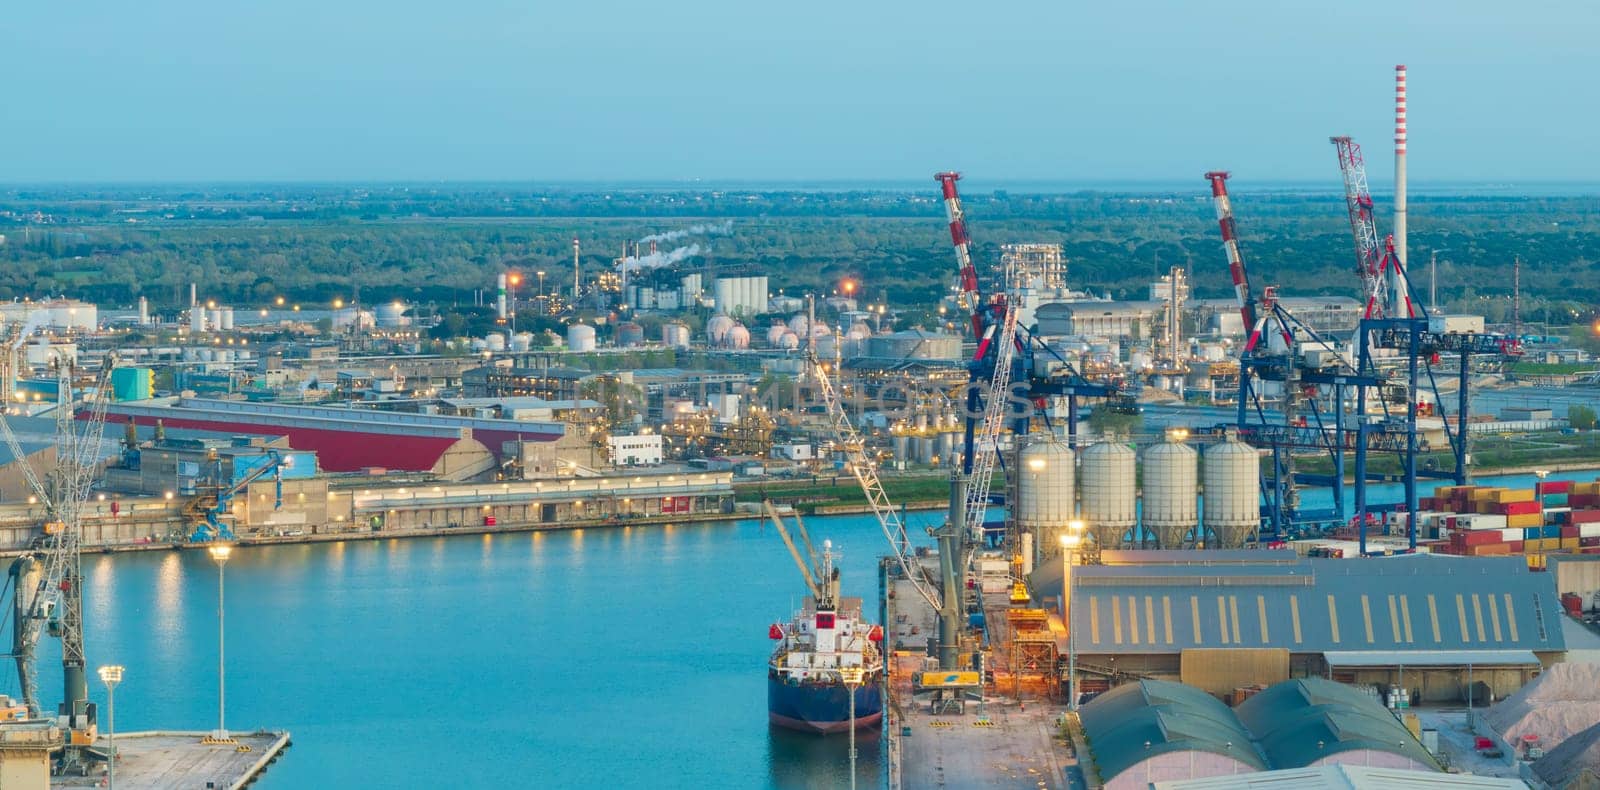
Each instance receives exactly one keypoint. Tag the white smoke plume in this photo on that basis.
(695, 230)
(657, 260)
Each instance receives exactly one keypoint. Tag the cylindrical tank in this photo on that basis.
(775, 334)
(391, 315)
(1232, 492)
(227, 319)
(675, 335)
(1108, 496)
(496, 341)
(1171, 509)
(902, 448)
(197, 320)
(522, 341)
(1044, 492)
(630, 334)
(1140, 360)
(738, 337)
(924, 449)
(580, 337)
(947, 448)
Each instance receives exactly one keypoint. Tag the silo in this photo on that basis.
(580, 337)
(496, 341)
(722, 291)
(902, 448)
(1108, 492)
(227, 319)
(1171, 509)
(197, 320)
(522, 341)
(924, 449)
(947, 448)
(1044, 492)
(630, 334)
(1232, 492)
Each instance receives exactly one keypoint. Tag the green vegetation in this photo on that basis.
(1489, 453)
(249, 245)
(1550, 369)
(1581, 417)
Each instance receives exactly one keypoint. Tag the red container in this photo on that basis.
(1479, 537)
(1585, 517)
(1573, 603)
(1556, 487)
(1516, 546)
(1569, 532)
(488, 521)
(1519, 508)
(1583, 500)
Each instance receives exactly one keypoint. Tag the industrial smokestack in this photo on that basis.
(500, 298)
(1400, 187)
(577, 272)
(193, 299)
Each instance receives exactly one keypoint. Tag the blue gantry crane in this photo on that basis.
(212, 527)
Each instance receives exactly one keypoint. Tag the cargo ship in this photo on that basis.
(825, 655)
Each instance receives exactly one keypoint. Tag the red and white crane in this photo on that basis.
(1382, 280)
(1230, 244)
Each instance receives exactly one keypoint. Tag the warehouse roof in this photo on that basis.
(1432, 658)
(1345, 777)
(1137, 721)
(1400, 604)
(1300, 722)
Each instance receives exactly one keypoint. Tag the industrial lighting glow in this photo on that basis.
(1070, 541)
(1036, 464)
(220, 551)
(1075, 527)
(111, 673)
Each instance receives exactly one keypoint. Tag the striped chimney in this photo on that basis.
(1400, 295)
(1230, 244)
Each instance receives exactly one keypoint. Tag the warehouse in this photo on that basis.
(1152, 731)
(1226, 619)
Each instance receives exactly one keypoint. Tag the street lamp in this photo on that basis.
(852, 681)
(513, 281)
(111, 675)
(541, 288)
(1070, 540)
(220, 552)
(1538, 487)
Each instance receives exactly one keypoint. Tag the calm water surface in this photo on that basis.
(593, 658)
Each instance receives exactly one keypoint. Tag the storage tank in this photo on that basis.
(675, 335)
(947, 448)
(788, 341)
(580, 337)
(902, 447)
(630, 334)
(924, 449)
(1108, 498)
(1232, 492)
(227, 319)
(775, 334)
(391, 315)
(717, 329)
(1044, 492)
(738, 337)
(197, 320)
(522, 341)
(1171, 509)
(495, 341)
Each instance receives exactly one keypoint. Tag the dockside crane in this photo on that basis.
(47, 589)
(212, 527)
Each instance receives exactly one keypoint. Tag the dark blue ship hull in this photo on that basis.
(822, 707)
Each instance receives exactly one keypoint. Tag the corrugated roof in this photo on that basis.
(1432, 658)
(1137, 721)
(1345, 777)
(1299, 722)
(1416, 603)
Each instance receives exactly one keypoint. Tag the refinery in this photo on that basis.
(1171, 542)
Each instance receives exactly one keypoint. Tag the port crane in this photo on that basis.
(212, 527)
(47, 585)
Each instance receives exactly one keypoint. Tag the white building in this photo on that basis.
(634, 450)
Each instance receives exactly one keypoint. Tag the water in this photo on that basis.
(629, 657)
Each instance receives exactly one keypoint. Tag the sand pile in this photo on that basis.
(1560, 703)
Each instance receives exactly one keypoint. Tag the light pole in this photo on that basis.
(542, 308)
(1069, 550)
(111, 675)
(852, 681)
(220, 553)
(1538, 487)
(515, 280)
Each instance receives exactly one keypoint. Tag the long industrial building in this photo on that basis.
(1221, 620)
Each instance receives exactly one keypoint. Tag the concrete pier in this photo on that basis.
(164, 758)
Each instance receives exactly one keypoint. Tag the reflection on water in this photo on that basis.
(801, 761)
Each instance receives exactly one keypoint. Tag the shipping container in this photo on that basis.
(1519, 508)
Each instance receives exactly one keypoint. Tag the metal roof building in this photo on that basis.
(1154, 730)
(1346, 777)
(1312, 722)
(1222, 619)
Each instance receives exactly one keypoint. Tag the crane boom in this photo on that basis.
(865, 471)
(1363, 227)
(1230, 244)
(967, 274)
(985, 445)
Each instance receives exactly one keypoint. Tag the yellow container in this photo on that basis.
(1514, 495)
(1414, 724)
(1569, 543)
(1535, 561)
(1525, 520)
(1485, 494)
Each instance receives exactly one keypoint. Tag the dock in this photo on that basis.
(165, 758)
(1013, 733)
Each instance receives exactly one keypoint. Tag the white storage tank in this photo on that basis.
(675, 335)
(1045, 492)
(1108, 498)
(197, 320)
(1232, 492)
(902, 448)
(717, 329)
(580, 337)
(775, 334)
(1171, 507)
(495, 341)
(522, 341)
(738, 337)
(391, 315)
(788, 341)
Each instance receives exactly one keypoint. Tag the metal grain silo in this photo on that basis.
(1108, 497)
(1232, 492)
(1045, 492)
(1171, 509)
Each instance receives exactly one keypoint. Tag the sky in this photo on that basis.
(601, 90)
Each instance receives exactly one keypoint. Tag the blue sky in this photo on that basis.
(185, 90)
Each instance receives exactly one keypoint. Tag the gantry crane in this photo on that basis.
(47, 589)
(212, 527)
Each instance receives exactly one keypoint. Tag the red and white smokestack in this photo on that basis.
(1230, 244)
(958, 237)
(1400, 295)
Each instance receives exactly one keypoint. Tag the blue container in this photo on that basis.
(1551, 531)
(1530, 533)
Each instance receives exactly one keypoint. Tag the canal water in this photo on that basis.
(628, 657)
